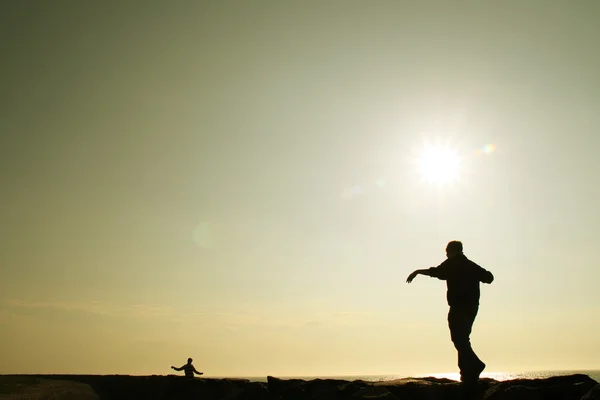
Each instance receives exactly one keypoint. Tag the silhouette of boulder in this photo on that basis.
(433, 388)
(593, 394)
(316, 389)
(557, 387)
(374, 392)
(123, 387)
(27, 387)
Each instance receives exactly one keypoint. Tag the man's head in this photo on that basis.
(190, 360)
(454, 248)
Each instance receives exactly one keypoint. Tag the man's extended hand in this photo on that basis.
(412, 276)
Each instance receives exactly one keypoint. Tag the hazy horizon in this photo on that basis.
(242, 183)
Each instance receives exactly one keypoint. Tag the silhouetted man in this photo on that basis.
(462, 277)
(188, 368)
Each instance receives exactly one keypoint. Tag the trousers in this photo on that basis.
(460, 322)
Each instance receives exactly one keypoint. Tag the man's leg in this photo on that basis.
(460, 322)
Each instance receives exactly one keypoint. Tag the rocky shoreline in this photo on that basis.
(117, 387)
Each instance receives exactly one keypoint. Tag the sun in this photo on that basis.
(439, 164)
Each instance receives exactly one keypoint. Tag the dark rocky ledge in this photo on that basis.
(124, 387)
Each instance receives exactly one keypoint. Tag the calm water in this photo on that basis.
(499, 376)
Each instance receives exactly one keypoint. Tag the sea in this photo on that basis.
(499, 376)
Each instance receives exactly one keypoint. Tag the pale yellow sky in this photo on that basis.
(236, 182)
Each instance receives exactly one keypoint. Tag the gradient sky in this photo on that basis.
(236, 182)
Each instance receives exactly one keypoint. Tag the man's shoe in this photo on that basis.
(479, 370)
(472, 376)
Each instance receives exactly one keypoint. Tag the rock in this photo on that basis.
(593, 394)
(374, 392)
(286, 389)
(518, 392)
(46, 389)
(435, 388)
(570, 387)
(316, 389)
(122, 387)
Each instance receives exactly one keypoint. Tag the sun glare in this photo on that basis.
(439, 164)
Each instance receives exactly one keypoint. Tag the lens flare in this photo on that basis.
(203, 236)
(351, 192)
(487, 149)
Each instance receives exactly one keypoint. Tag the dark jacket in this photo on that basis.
(462, 277)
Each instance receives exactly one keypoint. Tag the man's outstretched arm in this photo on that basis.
(196, 371)
(441, 272)
(485, 276)
(177, 369)
(417, 272)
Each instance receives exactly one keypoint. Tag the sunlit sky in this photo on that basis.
(241, 183)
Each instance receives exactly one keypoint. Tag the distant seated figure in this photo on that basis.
(188, 368)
